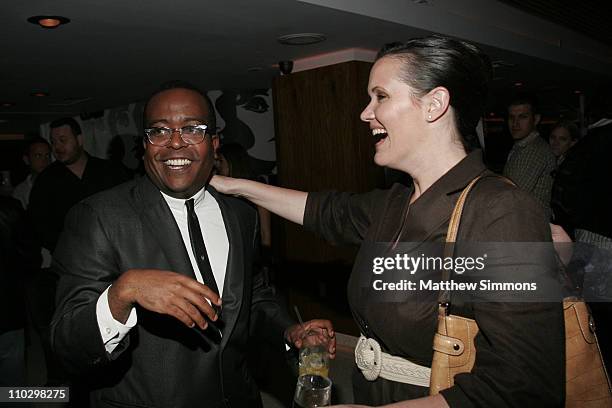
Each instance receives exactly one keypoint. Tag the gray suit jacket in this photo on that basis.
(160, 363)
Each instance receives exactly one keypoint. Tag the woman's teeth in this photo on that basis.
(379, 134)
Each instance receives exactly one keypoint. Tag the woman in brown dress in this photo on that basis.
(426, 97)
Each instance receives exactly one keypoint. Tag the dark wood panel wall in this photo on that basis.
(321, 144)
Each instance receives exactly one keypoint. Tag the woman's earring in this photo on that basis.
(429, 117)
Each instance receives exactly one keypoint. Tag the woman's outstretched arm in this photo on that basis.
(284, 202)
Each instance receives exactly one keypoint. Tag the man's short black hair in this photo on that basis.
(525, 98)
(178, 84)
(74, 125)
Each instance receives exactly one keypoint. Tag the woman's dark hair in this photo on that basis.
(238, 160)
(570, 126)
(456, 65)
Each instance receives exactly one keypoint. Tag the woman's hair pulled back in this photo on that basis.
(456, 65)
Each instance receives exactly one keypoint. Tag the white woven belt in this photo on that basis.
(374, 363)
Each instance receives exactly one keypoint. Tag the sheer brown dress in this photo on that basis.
(520, 346)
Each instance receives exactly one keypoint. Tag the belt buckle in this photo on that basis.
(368, 357)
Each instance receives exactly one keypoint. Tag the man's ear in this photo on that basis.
(215, 143)
(79, 139)
(436, 104)
(537, 118)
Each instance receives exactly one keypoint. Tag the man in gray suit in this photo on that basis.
(138, 313)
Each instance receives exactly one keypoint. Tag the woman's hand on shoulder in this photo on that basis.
(222, 184)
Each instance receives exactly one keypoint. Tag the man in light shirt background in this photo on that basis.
(37, 157)
(531, 162)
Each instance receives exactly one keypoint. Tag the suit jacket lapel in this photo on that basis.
(157, 218)
(233, 288)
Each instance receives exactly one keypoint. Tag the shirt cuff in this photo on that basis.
(111, 330)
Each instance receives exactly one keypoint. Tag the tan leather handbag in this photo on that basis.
(587, 382)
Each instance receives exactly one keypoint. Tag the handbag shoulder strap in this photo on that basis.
(453, 229)
(453, 225)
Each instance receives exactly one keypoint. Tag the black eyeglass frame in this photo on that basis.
(203, 128)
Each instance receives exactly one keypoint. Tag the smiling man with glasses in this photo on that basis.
(140, 313)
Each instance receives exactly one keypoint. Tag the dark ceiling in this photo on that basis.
(586, 17)
(115, 52)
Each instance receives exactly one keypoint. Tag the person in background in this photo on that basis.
(581, 203)
(73, 176)
(116, 153)
(38, 290)
(563, 135)
(582, 192)
(37, 156)
(426, 97)
(19, 258)
(530, 162)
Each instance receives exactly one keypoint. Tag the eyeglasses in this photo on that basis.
(162, 136)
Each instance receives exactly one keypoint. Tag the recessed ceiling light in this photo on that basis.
(40, 94)
(518, 83)
(301, 38)
(7, 104)
(254, 69)
(577, 92)
(48, 21)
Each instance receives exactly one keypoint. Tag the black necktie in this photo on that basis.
(198, 247)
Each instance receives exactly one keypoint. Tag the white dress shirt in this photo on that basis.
(23, 189)
(217, 246)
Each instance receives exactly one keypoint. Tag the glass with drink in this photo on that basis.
(314, 357)
(312, 391)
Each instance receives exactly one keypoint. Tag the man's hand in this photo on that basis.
(164, 292)
(435, 401)
(295, 333)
